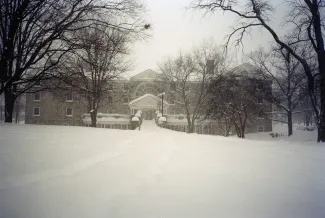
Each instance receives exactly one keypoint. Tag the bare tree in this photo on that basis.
(289, 83)
(33, 36)
(307, 20)
(218, 106)
(234, 101)
(97, 60)
(189, 75)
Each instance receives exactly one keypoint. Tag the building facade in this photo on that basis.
(125, 98)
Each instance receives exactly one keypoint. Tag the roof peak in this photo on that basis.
(147, 74)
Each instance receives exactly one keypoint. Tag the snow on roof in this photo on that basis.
(246, 69)
(117, 116)
(146, 96)
(147, 75)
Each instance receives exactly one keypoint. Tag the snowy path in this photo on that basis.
(154, 172)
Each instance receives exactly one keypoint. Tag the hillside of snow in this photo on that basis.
(67, 172)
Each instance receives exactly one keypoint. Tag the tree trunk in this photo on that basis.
(17, 110)
(9, 104)
(191, 128)
(315, 9)
(226, 132)
(289, 123)
(307, 118)
(242, 132)
(93, 116)
(321, 121)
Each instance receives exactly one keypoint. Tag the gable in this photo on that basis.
(146, 100)
(146, 75)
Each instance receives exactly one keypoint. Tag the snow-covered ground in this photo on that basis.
(282, 129)
(67, 172)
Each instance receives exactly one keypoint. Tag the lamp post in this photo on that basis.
(162, 103)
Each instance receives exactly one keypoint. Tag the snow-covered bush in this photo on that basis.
(306, 128)
(276, 135)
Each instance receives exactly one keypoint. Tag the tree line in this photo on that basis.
(304, 43)
(45, 39)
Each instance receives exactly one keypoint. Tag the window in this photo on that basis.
(147, 88)
(107, 126)
(260, 115)
(36, 111)
(132, 111)
(125, 100)
(260, 85)
(172, 99)
(69, 97)
(109, 110)
(69, 112)
(116, 126)
(37, 96)
(110, 99)
(260, 128)
(126, 86)
(37, 83)
(187, 88)
(260, 100)
(111, 87)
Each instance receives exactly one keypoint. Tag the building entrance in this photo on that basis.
(148, 114)
(148, 104)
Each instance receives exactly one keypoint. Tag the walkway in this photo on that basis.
(149, 125)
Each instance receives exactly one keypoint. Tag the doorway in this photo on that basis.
(148, 114)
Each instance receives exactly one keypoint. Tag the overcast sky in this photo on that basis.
(174, 29)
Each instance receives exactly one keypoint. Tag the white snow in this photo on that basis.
(55, 171)
(282, 128)
(162, 119)
(135, 118)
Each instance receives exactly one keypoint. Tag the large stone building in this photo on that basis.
(140, 92)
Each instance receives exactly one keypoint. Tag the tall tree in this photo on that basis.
(233, 100)
(97, 60)
(33, 36)
(307, 19)
(289, 83)
(189, 75)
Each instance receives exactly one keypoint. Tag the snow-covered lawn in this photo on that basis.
(67, 172)
(282, 128)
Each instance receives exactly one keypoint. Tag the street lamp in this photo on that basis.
(162, 103)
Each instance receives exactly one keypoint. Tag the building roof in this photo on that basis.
(146, 75)
(246, 69)
(147, 96)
